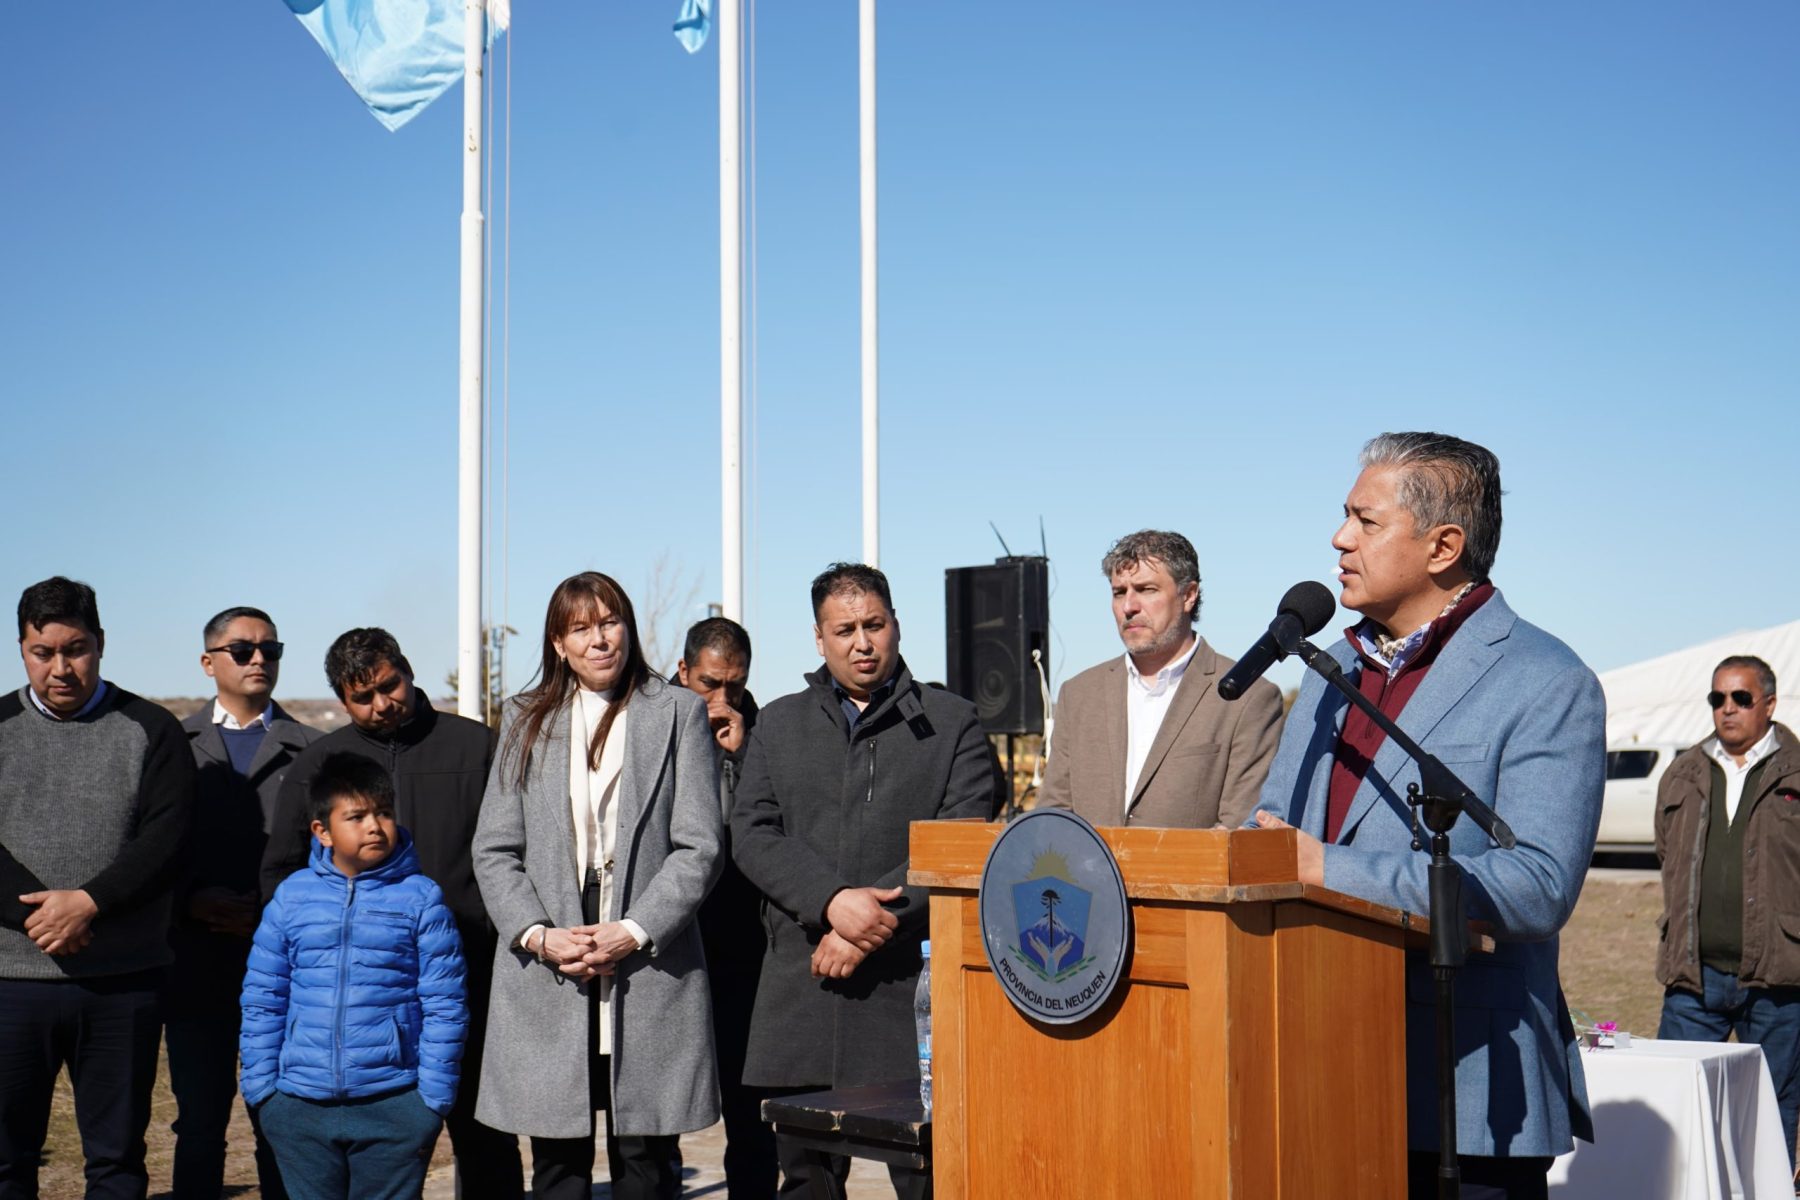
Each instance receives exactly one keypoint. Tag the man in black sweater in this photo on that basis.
(96, 787)
(439, 762)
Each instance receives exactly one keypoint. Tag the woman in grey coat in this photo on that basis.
(599, 837)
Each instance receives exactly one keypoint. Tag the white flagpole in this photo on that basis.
(731, 307)
(469, 700)
(871, 405)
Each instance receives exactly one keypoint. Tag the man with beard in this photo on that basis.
(835, 775)
(439, 763)
(1145, 739)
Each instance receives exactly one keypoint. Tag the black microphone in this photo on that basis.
(1301, 613)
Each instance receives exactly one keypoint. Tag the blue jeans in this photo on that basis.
(374, 1149)
(1768, 1017)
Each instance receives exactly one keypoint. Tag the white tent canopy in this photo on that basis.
(1664, 699)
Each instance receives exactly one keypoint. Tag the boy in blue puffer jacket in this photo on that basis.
(354, 1017)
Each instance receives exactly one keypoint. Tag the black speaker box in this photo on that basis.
(994, 617)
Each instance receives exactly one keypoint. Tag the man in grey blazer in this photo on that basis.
(243, 744)
(1521, 720)
(1144, 739)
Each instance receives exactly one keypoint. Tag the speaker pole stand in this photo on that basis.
(1012, 795)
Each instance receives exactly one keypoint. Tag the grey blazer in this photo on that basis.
(534, 1072)
(281, 746)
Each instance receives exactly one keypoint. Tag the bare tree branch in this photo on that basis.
(662, 606)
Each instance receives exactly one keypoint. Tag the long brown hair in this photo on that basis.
(576, 597)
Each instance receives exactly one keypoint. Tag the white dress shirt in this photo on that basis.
(1146, 703)
(1734, 774)
(266, 718)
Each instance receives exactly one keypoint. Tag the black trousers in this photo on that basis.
(751, 1163)
(203, 1074)
(819, 1176)
(641, 1168)
(106, 1032)
(488, 1166)
(1482, 1178)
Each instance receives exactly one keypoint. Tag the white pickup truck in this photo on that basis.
(1628, 809)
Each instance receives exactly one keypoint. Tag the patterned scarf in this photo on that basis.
(1394, 651)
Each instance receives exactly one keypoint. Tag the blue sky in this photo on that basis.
(1162, 266)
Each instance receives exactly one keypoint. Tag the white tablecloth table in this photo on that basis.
(1681, 1121)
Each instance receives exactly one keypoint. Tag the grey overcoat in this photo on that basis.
(534, 1075)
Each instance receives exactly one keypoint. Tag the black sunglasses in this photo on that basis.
(242, 652)
(1741, 698)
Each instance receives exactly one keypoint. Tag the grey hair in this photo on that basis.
(1444, 480)
(1765, 674)
(1170, 549)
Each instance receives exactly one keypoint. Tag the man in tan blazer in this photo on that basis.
(1144, 739)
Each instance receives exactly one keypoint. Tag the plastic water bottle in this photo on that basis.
(922, 1018)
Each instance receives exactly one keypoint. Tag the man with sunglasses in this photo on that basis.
(1728, 836)
(243, 744)
(439, 762)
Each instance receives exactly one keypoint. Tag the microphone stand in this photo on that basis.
(1443, 798)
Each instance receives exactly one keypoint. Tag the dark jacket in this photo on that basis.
(1771, 868)
(439, 762)
(731, 925)
(355, 987)
(818, 811)
(232, 817)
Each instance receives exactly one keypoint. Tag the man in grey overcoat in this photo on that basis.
(835, 775)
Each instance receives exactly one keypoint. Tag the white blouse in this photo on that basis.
(593, 792)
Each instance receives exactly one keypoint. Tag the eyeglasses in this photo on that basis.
(1741, 698)
(242, 652)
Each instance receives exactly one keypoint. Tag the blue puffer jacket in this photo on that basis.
(355, 986)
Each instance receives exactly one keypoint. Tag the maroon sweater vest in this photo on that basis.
(1362, 738)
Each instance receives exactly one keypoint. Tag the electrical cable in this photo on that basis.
(1037, 770)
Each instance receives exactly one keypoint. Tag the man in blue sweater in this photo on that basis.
(243, 744)
(354, 1014)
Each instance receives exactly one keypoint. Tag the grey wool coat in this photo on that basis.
(534, 1074)
(818, 810)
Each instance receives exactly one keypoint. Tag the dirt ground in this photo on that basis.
(1608, 956)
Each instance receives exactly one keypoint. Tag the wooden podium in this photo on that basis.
(1254, 1050)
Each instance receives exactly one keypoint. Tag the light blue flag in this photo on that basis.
(694, 24)
(399, 55)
